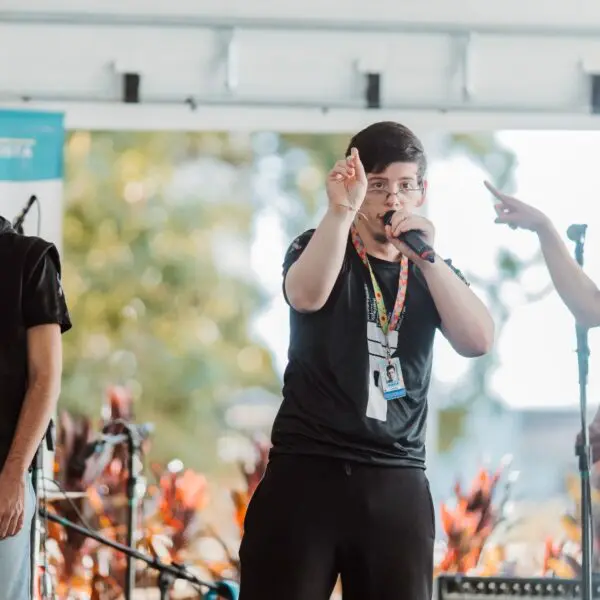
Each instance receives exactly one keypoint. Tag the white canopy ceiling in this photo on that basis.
(303, 66)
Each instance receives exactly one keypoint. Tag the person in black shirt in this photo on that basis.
(33, 313)
(345, 491)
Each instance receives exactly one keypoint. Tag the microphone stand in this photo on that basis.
(168, 573)
(133, 446)
(133, 441)
(133, 436)
(37, 472)
(583, 450)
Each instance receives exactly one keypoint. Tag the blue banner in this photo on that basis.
(31, 145)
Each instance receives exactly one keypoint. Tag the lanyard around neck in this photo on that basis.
(387, 324)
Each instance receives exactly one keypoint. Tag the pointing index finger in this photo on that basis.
(499, 195)
(492, 189)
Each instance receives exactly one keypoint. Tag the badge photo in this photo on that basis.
(392, 382)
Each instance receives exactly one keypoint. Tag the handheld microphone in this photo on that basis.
(413, 240)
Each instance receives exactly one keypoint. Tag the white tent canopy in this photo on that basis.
(303, 66)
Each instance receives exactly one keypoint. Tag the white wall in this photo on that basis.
(523, 68)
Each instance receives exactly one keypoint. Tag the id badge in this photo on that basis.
(392, 382)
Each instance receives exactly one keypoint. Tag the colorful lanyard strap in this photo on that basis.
(387, 324)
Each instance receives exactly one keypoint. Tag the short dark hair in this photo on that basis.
(390, 368)
(387, 142)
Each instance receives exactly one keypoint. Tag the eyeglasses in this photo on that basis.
(407, 190)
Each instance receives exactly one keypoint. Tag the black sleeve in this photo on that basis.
(295, 249)
(293, 253)
(43, 296)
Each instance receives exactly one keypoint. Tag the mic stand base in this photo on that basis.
(584, 454)
(133, 445)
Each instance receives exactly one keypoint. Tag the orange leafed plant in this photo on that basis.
(171, 520)
(181, 496)
(470, 524)
(563, 558)
(253, 475)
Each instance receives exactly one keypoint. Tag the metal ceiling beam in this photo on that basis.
(252, 74)
(196, 103)
(178, 117)
(290, 24)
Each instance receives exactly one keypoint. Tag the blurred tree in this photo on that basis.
(306, 160)
(157, 234)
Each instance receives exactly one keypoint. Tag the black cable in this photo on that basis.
(39, 212)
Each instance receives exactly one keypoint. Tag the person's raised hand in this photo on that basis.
(515, 213)
(347, 183)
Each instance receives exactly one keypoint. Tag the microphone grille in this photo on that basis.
(387, 218)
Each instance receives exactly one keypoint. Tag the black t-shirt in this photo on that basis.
(44, 299)
(31, 295)
(332, 401)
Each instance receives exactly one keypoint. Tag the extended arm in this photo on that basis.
(577, 290)
(310, 280)
(43, 389)
(44, 363)
(466, 322)
(45, 317)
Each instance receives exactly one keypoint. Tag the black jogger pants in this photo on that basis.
(312, 519)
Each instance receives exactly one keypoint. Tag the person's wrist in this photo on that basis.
(11, 473)
(342, 211)
(426, 267)
(545, 228)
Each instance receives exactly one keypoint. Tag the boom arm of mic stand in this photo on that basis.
(172, 570)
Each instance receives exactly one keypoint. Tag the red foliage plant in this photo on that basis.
(171, 512)
(470, 524)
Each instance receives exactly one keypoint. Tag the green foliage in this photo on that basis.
(451, 425)
(485, 150)
(153, 307)
(307, 159)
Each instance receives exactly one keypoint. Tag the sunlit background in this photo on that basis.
(173, 249)
(178, 281)
(539, 338)
(175, 209)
